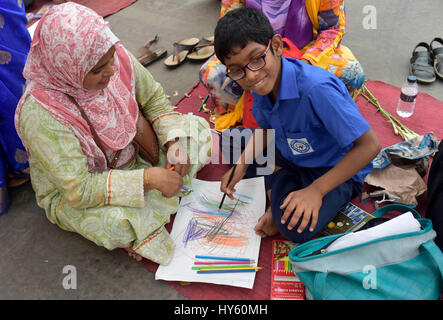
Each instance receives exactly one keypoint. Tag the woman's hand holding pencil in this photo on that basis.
(177, 157)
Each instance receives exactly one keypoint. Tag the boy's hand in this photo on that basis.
(239, 173)
(302, 204)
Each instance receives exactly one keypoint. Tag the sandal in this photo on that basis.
(422, 64)
(147, 55)
(203, 50)
(438, 57)
(181, 51)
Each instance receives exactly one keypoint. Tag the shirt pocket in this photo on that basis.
(300, 144)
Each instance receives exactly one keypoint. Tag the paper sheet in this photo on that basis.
(403, 223)
(200, 229)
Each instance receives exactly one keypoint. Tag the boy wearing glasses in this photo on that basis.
(324, 147)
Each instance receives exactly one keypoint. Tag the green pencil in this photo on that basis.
(204, 101)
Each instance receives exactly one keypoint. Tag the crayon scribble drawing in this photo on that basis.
(200, 228)
(218, 229)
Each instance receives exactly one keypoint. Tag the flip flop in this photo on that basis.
(438, 57)
(181, 51)
(147, 55)
(203, 50)
(422, 64)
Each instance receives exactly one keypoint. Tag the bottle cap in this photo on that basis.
(412, 79)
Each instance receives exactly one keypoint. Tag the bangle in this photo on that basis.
(146, 178)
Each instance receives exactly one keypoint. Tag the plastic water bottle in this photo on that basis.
(408, 96)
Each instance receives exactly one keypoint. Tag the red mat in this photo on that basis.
(427, 117)
(102, 7)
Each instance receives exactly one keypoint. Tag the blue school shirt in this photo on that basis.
(314, 117)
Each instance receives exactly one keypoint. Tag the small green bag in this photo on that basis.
(407, 266)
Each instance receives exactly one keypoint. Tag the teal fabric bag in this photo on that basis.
(407, 266)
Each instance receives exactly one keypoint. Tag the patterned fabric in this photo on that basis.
(110, 208)
(62, 52)
(327, 20)
(227, 5)
(14, 46)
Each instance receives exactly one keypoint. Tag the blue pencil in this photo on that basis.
(226, 271)
(223, 258)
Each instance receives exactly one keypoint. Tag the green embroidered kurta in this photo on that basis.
(111, 208)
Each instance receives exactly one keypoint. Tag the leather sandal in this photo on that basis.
(181, 51)
(422, 64)
(438, 57)
(203, 50)
(147, 55)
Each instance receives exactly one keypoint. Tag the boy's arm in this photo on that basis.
(308, 201)
(247, 156)
(365, 149)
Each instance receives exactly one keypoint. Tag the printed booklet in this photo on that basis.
(285, 285)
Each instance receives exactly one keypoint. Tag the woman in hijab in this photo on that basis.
(80, 108)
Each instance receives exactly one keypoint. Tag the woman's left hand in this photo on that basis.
(178, 158)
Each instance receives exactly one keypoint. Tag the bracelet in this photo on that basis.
(146, 178)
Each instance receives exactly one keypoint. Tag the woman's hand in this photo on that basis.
(240, 171)
(178, 158)
(166, 181)
(302, 204)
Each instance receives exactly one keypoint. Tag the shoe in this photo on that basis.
(181, 51)
(422, 64)
(147, 55)
(203, 50)
(437, 54)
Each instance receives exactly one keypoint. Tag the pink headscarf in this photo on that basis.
(68, 42)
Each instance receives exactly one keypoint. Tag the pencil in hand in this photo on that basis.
(183, 187)
(229, 181)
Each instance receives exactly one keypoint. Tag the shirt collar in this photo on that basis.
(288, 81)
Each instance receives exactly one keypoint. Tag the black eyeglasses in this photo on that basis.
(254, 65)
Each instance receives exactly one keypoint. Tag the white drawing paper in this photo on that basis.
(201, 229)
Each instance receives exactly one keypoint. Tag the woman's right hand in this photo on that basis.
(239, 173)
(166, 181)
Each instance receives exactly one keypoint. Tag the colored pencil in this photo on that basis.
(245, 268)
(226, 271)
(235, 266)
(229, 181)
(203, 102)
(218, 262)
(183, 187)
(222, 258)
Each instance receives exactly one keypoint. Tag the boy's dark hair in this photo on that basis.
(239, 27)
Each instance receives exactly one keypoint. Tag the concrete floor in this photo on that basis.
(35, 252)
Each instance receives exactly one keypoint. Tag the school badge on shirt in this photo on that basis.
(299, 146)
